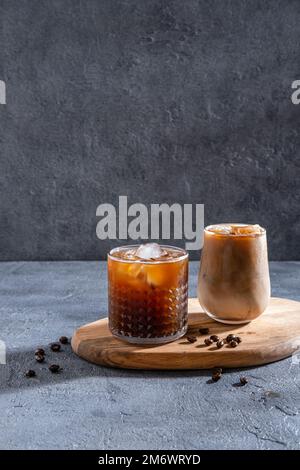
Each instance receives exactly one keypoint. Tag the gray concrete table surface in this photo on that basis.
(92, 407)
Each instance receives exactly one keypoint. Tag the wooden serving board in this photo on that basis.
(271, 337)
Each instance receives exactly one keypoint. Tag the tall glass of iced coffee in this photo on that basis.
(148, 293)
(234, 282)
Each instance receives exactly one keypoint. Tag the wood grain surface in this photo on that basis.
(271, 337)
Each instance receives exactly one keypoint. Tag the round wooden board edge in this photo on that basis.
(107, 360)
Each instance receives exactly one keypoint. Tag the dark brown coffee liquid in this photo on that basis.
(148, 298)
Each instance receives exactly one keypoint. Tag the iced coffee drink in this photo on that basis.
(234, 283)
(148, 293)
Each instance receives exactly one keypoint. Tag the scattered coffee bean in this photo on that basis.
(238, 339)
(243, 380)
(55, 347)
(208, 341)
(30, 373)
(216, 375)
(54, 368)
(40, 351)
(191, 339)
(230, 338)
(218, 369)
(39, 357)
(220, 343)
(63, 340)
(214, 338)
(204, 331)
(233, 343)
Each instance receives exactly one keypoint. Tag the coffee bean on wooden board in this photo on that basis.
(233, 344)
(230, 337)
(191, 338)
(214, 338)
(203, 331)
(220, 343)
(208, 341)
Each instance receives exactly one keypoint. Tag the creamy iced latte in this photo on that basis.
(234, 282)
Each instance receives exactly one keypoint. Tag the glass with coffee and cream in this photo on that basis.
(234, 282)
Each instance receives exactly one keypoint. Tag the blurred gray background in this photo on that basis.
(162, 101)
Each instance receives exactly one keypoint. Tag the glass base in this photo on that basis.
(153, 341)
(226, 322)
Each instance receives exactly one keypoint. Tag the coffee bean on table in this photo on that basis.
(63, 340)
(208, 341)
(30, 373)
(191, 339)
(55, 347)
(238, 339)
(233, 344)
(220, 343)
(216, 375)
(40, 351)
(204, 331)
(214, 338)
(54, 368)
(243, 380)
(39, 357)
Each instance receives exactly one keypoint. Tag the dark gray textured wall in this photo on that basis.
(163, 101)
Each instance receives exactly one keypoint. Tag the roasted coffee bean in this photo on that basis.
(230, 338)
(204, 331)
(216, 375)
(243, 380)
(55, 347)
(40, 351)
(39, 357)
(220, 344)
(218, 369)
(214, 338)
(233, 343)
(30, 373)
(191, 339)
(238, 339)
(54, 368)
(208, 341)
(63, 340)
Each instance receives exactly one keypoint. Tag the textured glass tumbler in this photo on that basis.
(234, 282)
(148, 299)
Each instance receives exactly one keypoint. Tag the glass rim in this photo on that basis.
(208, 229)
(111, 256)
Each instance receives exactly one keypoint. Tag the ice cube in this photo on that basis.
(130, 254)
(137, 271)
(149, 251)
(247, 230)
(223, 229)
